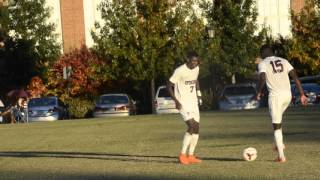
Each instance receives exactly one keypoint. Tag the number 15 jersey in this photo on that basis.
(185, 80)
(277, 70)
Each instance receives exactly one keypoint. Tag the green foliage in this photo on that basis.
(142, 40)
(28, 20)
(235, 45)
(79, 108)
(305, 50)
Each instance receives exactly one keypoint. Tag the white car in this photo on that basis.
(238, 97)
(163, 102)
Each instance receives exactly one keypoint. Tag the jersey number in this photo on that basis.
(276, 66)
(192, 87)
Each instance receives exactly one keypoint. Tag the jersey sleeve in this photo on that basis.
(288, 66)
(175, 76)
(262, 67)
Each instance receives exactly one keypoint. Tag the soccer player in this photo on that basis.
(274, 71)
(187, 95)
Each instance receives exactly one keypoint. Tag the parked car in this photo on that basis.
(238, 96)
(46, 109)
(311, 90)
(163, 102)
(114, 105)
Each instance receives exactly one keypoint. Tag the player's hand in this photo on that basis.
(178, 105)
(303, 100)
(257, 96)
(200, 101)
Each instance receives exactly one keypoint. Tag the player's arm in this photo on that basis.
(170, 87)
(262, 82)
(294, 76)
(198, 92)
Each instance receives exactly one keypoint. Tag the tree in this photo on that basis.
(305, 49)
(84, 79)
(236, 43)
(17, 64)
(142, 40)
(28, 20)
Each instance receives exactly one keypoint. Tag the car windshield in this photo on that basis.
(42, 102)
(116, 99)
(163, 93)
(241, 90)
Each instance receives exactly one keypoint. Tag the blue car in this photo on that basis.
(238, 97)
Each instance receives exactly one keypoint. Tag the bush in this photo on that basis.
(79, 108)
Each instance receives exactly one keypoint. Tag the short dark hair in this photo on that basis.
(266, 47)
(191, 54)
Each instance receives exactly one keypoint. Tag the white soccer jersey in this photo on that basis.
(277, 78)
(185, 80)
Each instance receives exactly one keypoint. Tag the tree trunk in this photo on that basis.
(152, 89)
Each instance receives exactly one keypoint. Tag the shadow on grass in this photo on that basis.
(103, 156)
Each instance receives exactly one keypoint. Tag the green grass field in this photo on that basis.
(147, 146)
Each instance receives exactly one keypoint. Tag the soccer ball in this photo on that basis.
(250, 154)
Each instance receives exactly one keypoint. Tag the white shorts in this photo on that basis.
(277, 106)
(190, 113)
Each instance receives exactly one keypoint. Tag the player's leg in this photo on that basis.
(275, 107)
(195, 136)
(194, 142)
(284, 102)
(183, 158)
(277, 127)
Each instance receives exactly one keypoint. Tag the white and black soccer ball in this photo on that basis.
(250, 154)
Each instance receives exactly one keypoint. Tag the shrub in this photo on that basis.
(79, 108)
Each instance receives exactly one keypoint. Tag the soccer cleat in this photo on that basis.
(280, 160)
(183, 159)
(193, 159)
(275, 148)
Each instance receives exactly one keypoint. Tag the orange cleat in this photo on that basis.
(280, 160)
(193, 159)
(184, 159)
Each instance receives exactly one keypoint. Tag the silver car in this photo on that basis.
(114, 105)
(238, 96)
(46, 109)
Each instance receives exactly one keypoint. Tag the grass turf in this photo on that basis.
(147, 146)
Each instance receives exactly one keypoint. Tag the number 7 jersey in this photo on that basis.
(277, 70)
(185, 81)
